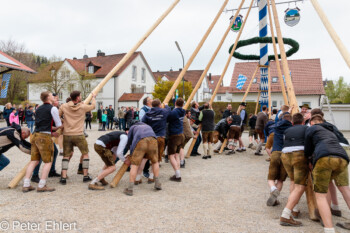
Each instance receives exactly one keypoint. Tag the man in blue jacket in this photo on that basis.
(277, 174)
(176, 137)
(330, 162)
(157, 119)
(143, 145)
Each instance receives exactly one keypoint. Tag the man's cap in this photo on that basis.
(243, 104)
(305, 106)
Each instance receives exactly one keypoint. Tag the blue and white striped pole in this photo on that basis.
(264, 99)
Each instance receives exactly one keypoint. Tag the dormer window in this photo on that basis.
(91, 69)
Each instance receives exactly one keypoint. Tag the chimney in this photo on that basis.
(180, 69)
(85, 56)
(100, 53)
(209, 76)
(74, 58)
(171, 69)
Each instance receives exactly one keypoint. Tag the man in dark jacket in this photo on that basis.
(296, 166)
(99, 117)
(330, 162)
(157, 119)
(206, 117)
(261, 121)
(128, 117)
(277, 174)
(110, 116)
(29, 116)
(234, 133)
(11, 136)
(143, 145)
(244, 116)
(270, 134)
(176, 137)
(221, 130)
(227, 111)
(252, 133)
(109, 147)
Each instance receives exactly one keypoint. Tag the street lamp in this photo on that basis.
(183, 65)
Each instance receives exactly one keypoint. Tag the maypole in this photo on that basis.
(264, 61)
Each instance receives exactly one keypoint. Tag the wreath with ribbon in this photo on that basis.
(265, 40)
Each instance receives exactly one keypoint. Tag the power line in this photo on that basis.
(277, 3)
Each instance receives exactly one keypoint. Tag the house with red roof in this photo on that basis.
(134, 77)
(306, 76)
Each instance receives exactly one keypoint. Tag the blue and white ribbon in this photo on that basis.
(5, 85)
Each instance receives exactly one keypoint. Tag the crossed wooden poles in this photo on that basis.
(289, 91)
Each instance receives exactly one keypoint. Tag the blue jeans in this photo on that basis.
(121, 123)
(4, 161)
(196, 146)
(30, 125)
(52, 170)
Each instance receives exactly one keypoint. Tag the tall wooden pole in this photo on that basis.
(341, 47)
(219, 83)
(248, 88)
(290, 88)
(97, 89)
(194, 54)
(269, 90)
(257, 102)
(130, 53)
(228, 63)
(278, 66)
(199, 83)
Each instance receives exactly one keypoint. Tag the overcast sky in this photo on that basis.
(65, 28)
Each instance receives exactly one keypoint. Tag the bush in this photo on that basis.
(220, 107)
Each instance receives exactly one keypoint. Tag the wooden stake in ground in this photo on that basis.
(119, 175)
(194, 54)
(112, 72)
(278, 66)
(311, 199)
(18, 177)
(199, 83)
(290, 88)
(341, 47)
(229, 60)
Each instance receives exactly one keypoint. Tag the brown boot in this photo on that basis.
(128, 192)
(295, 214)
(138, 182)
(103, 182)
(28, 189)
(336, 212)
(95, 187)
(289, 222)
(45, 189)
(273, 197)
(344, 225)
(150, 181)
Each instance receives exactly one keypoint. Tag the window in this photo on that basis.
(52, 73)
(91, 69)
(134, 74)
(99, 104)
(219, 98)
(255, 80)
(60, 96)
(70, 87)
(211, 81)
(87, 87)
(274, 103)
(274, 79)
(143, 75)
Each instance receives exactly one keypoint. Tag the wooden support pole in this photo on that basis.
(130, 53)
(223, 146)
(257, 102)
(14, 182)
(341, 47)
(269, 90)
(248, 88)
(218, 84)
(194, 54)
(199, 83)
(228, 62)
(116, 68)
(119, 175)
(292, 99)
(311, 199)
(278, 66)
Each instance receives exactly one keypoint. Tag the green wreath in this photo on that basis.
(255, 40)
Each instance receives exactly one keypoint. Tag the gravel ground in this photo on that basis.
(224, 194)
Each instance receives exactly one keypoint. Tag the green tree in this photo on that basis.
(162, 88)
(338, 91)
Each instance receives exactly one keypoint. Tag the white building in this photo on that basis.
(84, 74)
(306, 77)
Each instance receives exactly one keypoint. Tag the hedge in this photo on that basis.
(220, 107)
